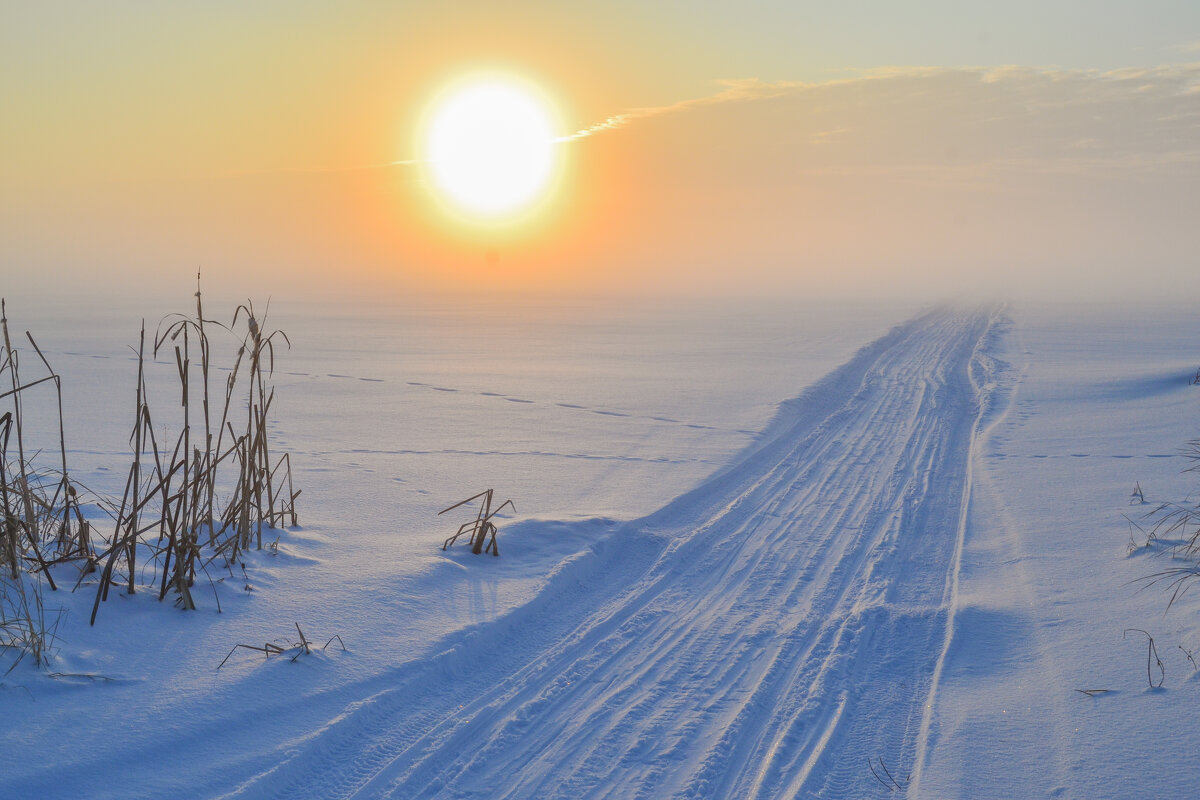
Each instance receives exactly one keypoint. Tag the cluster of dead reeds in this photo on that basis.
(207, 497)
(199, 500)
(40, 520)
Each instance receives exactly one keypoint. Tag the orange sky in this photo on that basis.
(142, 142)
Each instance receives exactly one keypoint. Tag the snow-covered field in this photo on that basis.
(787, 552)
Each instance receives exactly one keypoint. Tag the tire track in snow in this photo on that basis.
(981, 376)
(762, 636)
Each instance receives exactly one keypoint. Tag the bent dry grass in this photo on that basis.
(302, 648)
(1173, 527)
(40, 520)
(191, 504)
(478, 529)
(1173, 530)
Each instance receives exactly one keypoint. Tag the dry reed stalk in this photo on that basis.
(8, 542)
(289, 507)
(64, 485)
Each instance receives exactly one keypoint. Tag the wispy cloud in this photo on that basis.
(733, 91)
(951, 117)
(824, 137)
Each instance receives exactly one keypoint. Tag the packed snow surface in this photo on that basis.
(893, 583)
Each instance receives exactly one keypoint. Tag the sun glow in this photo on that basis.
(489, 148)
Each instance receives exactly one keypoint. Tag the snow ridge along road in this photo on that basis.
(774, 633)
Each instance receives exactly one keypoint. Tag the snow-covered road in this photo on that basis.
(776, 632)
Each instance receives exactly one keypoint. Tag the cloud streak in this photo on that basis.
(1134, 118)
(733, 91)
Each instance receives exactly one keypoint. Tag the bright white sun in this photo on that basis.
(489, 147)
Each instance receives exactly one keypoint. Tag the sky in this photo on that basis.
(930, 149)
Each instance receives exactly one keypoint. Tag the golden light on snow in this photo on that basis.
(489, 150)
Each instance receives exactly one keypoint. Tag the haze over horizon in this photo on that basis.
(1042, 150)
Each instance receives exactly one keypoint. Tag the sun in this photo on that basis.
(489, 148)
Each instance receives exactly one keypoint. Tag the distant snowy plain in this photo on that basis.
(775, 552)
